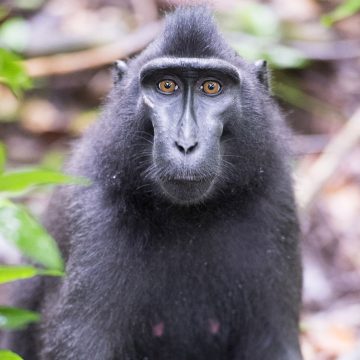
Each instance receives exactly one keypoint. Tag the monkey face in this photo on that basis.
(188, 102)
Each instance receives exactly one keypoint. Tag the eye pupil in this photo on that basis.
(211, 87)
(167, 86)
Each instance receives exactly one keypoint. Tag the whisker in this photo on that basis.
(145, 139)
(231, 155)
(228, 140)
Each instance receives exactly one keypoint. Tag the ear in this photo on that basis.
(119, 69)
(262, 73)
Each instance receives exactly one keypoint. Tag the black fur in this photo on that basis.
(152, 279)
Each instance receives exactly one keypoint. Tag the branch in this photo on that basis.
(92, 58)
(311, 182)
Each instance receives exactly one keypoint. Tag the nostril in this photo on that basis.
(180, 148)
(186, 149)
(192, 148)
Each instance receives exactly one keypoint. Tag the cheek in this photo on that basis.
(162, 146)
(164, 124)
(218, 130)
(210, 131)
(211, 117)
(164, 118)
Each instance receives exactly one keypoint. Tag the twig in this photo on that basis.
(92, 58)
(311, 182)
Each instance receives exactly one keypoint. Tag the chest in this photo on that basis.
(178, 306)
(185, 296)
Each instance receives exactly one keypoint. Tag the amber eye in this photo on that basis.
(167, 86)
(211, 87)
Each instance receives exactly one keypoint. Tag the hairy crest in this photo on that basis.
(191, 31)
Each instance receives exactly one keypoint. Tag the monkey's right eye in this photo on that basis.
(167, 86)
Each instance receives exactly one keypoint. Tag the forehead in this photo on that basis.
(189, 66)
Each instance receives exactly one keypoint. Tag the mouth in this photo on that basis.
(188, 180)
(187, 190)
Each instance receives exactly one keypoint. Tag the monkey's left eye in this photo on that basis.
(167, 86)
(211, 87)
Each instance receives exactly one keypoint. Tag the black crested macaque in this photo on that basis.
(185, 246)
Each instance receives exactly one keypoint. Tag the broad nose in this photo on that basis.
(186, 147)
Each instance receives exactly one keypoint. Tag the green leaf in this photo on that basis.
(13, 273)
(12, 72)
(20, 229)
(14, 318)
(346, 9)
(9, 355)
(20, 181)
(2, 157)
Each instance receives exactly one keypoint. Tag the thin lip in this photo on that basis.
(189, 180)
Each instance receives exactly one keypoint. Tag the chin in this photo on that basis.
(186, 191)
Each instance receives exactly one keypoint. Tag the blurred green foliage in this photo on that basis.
(12, 72)
(255, 19)
(17, 182)
(12, 273)
(14, 34)
(17, 226)
(28, 4)
(8, 355)
(23, 231)
(346, 9)
(256, 32)
(11, 319)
